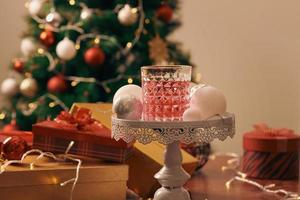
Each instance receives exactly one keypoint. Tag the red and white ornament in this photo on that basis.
(47, 38)
(94, 56)
(10, 87)
(127, 15)
(54, 18)
(65, 49)
(57, 84)
(165, 13)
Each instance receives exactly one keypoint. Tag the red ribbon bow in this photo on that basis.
(273, 132)
(80, 118)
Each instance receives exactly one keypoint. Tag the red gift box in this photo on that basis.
(271, 153)
(91, 138)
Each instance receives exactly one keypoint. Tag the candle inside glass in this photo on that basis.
(165, 92)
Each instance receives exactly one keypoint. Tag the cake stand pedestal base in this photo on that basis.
(172, 176)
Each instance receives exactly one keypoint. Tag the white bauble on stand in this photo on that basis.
(127, 15)
(130, 89)
(10, 87)
(128, 107)
(65, 49)
(172, 176)
(28, 46)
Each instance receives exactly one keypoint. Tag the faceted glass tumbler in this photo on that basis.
(165, 92)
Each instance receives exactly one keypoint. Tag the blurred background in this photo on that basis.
(248, 49)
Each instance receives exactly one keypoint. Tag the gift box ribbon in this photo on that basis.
(80, 118)
(273, 132)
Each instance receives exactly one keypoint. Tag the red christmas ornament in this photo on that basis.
(14, 148)
(57, 84)
(165, 13)
(11, 127)
(18, 65)
(94, 56)
(47, 38)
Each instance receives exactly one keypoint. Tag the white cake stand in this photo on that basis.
(172, 176)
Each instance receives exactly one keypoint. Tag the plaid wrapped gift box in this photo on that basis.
(91, 138)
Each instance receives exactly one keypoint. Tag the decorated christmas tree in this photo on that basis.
(83, 51)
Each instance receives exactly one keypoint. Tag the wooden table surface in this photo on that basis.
(209, 183)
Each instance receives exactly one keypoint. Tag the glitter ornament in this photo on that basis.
(158, 50)
(29, 87)
(128, 107)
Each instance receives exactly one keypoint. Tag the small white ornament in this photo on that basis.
(128, 107)
(29, 87)
(194, 87)
(127, 15)
(192, 115)
(10, 87)
(131, 89)
(35, 7)
(65, 49)
(209, 100)
(28, 46)
(86, 13)
(54, 18)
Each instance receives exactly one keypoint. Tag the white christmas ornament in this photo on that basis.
(128, 107)
(65, 49)
(35, 6)
(194, 87)
(28, 46)
(209, 100)
(127, 15)
(29, 87)
(54, 18)
(131, 89)
(192, 114)
(10, 87)
(86, 13)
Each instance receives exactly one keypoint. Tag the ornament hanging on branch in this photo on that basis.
(54, 18)
(86, 13)
(35, 7)
(65, 49)
(10, 87)
(165, 13)
(29, 87)
(127, 15)
(94, 56)
(158, 50)
(12, 126)
(47, 38)
(57, 84)
(28, 46)
(18, 65)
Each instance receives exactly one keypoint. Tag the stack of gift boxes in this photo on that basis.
(109, 166)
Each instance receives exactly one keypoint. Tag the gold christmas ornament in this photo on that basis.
(158, 50)
(29, 87)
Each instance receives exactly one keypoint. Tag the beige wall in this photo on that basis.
(248, 49)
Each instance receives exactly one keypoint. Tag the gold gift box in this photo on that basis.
(146, 159)
(96, 181)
